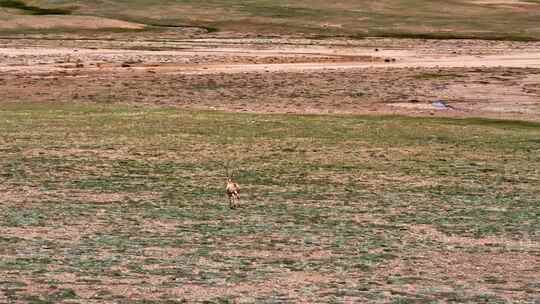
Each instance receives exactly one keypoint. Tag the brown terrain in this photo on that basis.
(494, 79)
(395, 211)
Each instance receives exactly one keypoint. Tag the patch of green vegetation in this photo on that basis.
(403, 19)
(276, 11)
(495, 36)
(33, 10)
(428, 76)
(23, 217)
(63, 294)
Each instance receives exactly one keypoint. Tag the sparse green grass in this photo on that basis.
(413, 18)
(105, 202)
(32, 10)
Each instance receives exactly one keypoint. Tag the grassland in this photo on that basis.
(516, 20)
(126, 204)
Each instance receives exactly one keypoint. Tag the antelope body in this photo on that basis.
(233, 192)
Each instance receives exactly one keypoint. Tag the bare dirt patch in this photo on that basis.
(36, 195)
(268, 255)
(429, 232)
(290, 285)
(508, 273)
(464, 266)
(66, 22)
(504, 2)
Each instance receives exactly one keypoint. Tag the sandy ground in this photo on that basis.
(477, 78)
(65, 22)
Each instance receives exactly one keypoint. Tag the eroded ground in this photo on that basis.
(477, 78)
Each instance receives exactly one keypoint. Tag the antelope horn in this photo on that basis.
(227, 169)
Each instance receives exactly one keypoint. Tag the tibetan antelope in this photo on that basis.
(232, 190)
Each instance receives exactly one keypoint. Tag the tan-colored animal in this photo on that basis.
(233, 192)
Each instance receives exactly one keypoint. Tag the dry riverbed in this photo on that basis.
(397, 76)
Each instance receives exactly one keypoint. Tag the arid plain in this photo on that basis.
(386, 152)
(495, 79)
